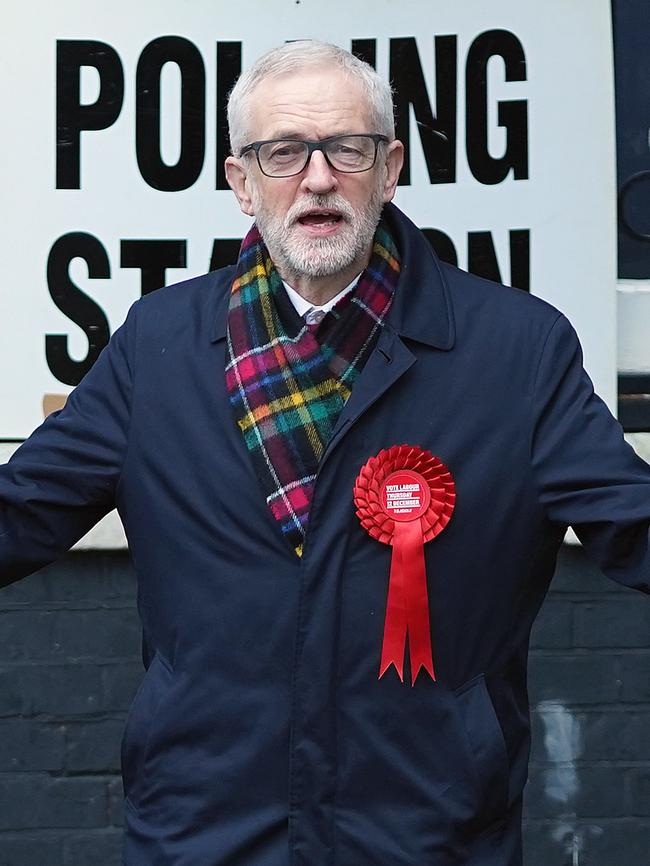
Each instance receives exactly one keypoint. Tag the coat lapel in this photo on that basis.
(388, 362)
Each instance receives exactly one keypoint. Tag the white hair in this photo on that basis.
(293, 57)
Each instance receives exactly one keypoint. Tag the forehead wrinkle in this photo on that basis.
(299, 125)
(297, 109)
(300, 105)
(308, 106)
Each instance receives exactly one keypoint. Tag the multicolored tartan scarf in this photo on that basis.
(288, 389)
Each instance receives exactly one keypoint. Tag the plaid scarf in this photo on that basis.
(287, 386)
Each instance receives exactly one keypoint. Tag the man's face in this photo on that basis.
(320, 222)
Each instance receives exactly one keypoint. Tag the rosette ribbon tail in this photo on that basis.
(392, 651)
(407, 607)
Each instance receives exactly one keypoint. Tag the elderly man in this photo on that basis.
(345, 471)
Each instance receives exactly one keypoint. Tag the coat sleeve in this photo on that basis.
(63, 478)
(587, 475)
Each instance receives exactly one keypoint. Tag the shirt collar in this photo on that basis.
(304, 307)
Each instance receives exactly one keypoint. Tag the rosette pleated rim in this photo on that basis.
(367, 487)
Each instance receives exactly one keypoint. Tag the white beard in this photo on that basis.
(294, 254)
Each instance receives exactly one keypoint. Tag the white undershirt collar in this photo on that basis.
(311, 313)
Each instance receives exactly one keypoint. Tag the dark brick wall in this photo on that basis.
(69, 666)
(588, 796)
(70, 663)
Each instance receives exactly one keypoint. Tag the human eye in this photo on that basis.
(346, 148)
(283, 152)
(351, 150)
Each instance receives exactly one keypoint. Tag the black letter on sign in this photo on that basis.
(408, 79)
(442, 245)
(224, 252)
(159, 175)
(482, 257)
(228, 71)
(76, 304)
(520, 259)
(153, 257)
(71, 116)
(513, 114)
(366, 50)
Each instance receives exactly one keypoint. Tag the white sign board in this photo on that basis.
(114, 137)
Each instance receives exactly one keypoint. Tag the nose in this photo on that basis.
(319, 178)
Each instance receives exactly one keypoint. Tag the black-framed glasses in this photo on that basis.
(284, 157)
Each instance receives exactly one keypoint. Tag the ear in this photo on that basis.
(394, 163)
(238, 182)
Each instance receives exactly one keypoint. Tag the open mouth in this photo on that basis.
(320, 218)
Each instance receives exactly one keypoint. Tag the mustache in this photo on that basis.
(331, 201)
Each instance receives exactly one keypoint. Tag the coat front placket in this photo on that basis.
(313, 750)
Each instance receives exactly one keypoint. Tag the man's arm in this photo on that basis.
(62, 480)
(588, 476)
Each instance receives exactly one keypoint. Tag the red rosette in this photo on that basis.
(404, 497)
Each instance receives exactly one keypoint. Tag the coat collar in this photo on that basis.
(421, 309)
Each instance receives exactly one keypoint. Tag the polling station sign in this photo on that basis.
(115, 136)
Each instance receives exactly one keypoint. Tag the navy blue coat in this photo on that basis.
(261, 734)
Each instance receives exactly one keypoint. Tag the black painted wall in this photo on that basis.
(631, 22)
(70, 663)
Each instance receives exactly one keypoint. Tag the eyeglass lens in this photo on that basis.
(348, 153)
